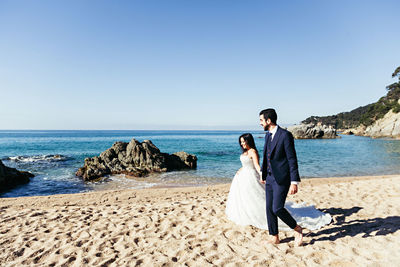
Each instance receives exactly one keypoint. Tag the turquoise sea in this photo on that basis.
(54, 157)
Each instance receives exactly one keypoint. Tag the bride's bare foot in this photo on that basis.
(298, 235)
(274, 240)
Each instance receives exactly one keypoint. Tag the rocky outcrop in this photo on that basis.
(134, 159)
(312, 131)
(360, 130)
(346, 132)
(388, 126)
(10, 177)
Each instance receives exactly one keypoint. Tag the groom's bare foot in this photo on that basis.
(274, 240)
(298, 235)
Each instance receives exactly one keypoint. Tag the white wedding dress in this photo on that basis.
(246, 203)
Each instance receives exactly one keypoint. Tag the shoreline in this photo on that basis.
(304, 180)
(315, 180)
(187, 225)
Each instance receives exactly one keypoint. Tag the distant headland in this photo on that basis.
(379, 119)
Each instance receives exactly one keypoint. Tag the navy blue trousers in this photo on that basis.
(276, 197)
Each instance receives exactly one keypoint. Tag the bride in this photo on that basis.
(246, 204)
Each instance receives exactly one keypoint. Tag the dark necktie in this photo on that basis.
(269, 140)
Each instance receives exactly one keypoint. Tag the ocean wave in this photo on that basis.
(119, 181)
(37, 158)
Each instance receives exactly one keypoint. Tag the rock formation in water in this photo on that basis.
(134, 159)
(312, 131)
(10, 177)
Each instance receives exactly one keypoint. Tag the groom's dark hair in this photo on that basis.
(269, 113)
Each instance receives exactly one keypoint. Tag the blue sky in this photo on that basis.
(190, 64)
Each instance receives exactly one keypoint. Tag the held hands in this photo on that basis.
(293, 189)
(261, 180)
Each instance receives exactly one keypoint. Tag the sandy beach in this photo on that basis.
(188, 227)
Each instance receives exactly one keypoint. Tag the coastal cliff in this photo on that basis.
(379, 119)
(388, 126)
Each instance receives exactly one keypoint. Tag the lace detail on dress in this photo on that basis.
(247, 162)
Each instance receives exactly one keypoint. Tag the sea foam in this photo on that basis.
(36, 158)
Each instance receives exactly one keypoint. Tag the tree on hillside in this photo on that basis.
(384, 104)
(394, 88)
(368, 114)
(396, 73)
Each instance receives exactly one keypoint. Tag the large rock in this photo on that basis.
(312, 131)
(388, 126)
(134, 159)
(360, 130)
(10, 177)
(347, 132)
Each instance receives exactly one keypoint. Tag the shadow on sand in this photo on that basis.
(341, 228)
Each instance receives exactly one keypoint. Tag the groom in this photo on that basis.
(280, 174)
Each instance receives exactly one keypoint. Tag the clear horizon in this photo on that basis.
(190, 65)
(170, 128)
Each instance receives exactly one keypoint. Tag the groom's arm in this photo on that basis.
(263, 165)
(292, 158)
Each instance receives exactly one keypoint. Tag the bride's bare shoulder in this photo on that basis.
(252, 152)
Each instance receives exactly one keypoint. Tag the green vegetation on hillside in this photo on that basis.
(365, 115)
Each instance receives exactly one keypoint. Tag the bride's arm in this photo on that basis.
(253, 154)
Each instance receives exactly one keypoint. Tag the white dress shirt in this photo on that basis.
(273, 132)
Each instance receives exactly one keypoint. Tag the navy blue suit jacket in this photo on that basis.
(283, 158)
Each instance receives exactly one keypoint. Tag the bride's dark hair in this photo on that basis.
(248, 138)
